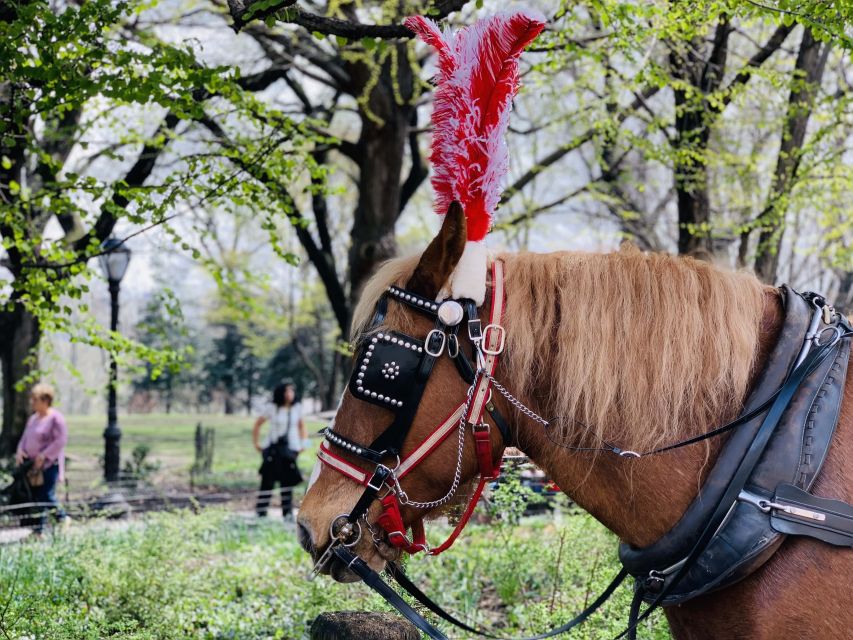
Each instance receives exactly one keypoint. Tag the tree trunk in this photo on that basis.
(19, 355)
(381, 149)
(844, 301)
(701, 65)
(692, 133)
(808, 71)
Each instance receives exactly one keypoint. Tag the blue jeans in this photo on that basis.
(46, 494)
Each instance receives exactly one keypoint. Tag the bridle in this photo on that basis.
(392, 370)
(377, 362)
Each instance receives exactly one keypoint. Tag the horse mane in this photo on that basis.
(640, 348)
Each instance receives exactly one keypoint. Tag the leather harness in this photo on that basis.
(755, 495)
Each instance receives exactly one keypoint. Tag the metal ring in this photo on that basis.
(335, 536)
(452, 345)
(837, 331)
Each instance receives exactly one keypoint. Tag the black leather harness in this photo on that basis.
(795, 450)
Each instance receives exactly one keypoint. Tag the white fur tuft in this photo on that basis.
(469, 277)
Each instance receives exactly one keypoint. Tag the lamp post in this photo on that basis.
(114, 263)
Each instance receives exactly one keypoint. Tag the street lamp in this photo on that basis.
(114, 261)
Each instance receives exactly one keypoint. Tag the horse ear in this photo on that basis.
(442, 255)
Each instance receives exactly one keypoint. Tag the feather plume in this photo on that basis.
(477, 80)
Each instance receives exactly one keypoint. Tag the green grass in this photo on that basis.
(216, 576)
(171, 442)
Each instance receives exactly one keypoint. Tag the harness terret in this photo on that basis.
(755, 495)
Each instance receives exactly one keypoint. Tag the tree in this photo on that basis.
(73, 72)
(162, 329)
(231, 368)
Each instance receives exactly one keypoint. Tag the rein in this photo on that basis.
(345, 530)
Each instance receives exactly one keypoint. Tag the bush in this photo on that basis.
(217, 575)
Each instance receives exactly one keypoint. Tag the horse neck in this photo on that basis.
(638, 499)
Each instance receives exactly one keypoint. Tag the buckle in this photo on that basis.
(500, 347)
(383, 472)
(475, 331)
(428, 341)
(481, 427)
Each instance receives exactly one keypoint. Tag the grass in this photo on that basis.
(216, 575)
(171, 442)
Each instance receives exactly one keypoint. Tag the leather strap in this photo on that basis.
(372, 579)
(412, 589)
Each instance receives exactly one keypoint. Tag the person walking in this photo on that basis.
(43, 443)
(280, 448)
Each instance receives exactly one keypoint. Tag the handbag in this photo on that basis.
(35, 477)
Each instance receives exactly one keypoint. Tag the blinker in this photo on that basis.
(386, 368)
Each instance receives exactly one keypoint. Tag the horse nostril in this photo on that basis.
(304, 535)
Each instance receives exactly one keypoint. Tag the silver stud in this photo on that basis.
(361, 389)
(373, 341)
(364, 367)
(358, 450)
(381, 335)
(394, 340)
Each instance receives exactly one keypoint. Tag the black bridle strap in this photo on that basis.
(373, 580)
(412, 589)
(380, 475)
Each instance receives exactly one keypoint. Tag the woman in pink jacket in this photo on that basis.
(43, 442)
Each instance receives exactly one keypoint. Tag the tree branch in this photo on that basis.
(285, 11)
(135, 177)
(563, 150)
(323, 261)
(418, 172)
(759, 58)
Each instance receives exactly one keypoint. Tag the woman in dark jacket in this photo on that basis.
(280, 448)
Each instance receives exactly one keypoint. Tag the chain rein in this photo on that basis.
(403, 497)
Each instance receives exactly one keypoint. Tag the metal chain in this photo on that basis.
(457, 476)
(515, 401)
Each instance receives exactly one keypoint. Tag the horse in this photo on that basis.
(633, 348)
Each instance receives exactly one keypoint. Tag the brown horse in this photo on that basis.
(645, 349)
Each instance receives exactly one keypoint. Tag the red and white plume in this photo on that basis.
(477, 80)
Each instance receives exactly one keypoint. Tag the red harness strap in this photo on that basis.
(390, 519)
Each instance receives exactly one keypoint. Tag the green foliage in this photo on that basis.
(138, 466)
(74, 74)
(218, 576)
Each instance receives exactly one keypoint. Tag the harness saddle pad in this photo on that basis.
(747, 537)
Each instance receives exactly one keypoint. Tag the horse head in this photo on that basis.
(413, 356)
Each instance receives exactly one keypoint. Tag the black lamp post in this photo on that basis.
(114, 264)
